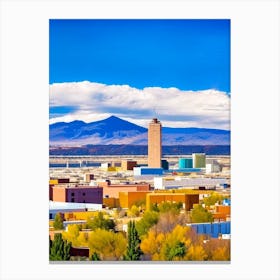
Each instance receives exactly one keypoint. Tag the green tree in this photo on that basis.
(149, 219)
(133, 252)
(100, 222)
(177, 251)
(60, 249)
(212, 199)
(58, 222)
(200, 215)
(50, 244)
(170, 207)
(154, 207)
(167, 246)
(95, 257)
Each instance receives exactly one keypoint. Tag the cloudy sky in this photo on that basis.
(177, 70)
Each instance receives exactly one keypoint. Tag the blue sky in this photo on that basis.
(188, 55)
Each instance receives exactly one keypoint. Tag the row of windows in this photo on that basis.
(73, 194)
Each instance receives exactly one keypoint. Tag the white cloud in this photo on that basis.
(174, 107)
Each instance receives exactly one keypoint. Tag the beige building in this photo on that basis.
(199, 160)
(154, 144)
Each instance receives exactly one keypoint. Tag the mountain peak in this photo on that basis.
(114, 130)
(113, 118)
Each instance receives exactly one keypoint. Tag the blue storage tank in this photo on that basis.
(185, 163)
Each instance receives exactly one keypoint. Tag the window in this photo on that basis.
(84, 194)
(72, 194)
(72, 199)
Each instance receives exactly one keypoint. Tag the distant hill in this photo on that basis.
(115, 131)
(112, 130)
(87, 150)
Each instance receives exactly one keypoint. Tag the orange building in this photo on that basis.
(127, 199)
(112, 190)
(222, 212)
(54, 182)
(111, 202)
(154, 144)
(188, 200)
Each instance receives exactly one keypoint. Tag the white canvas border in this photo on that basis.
(255, 137)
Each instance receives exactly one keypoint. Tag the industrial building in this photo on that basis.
(139, 171)
(213, 230)
(212, 166)
(185, 163)
(199, 160)
(163, 183)
(154, 144)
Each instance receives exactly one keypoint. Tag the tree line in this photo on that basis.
(160, 234)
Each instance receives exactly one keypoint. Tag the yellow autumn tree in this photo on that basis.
(176, 244)
(133, 211)
(83, 239)
(72, 234)
(169, 246)
(221, 254)
(218, 249)
(151, 245)
(196, 252)
(108, 245)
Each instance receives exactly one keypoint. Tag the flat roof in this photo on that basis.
(56, 205)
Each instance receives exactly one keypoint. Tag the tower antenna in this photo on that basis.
(155, 112)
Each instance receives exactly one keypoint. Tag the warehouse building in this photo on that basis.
(162, 183)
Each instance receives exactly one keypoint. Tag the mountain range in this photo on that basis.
(116, 131)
